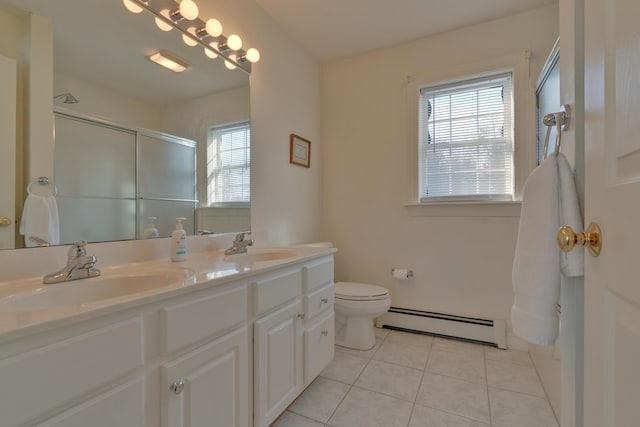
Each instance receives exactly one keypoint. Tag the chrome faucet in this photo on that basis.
(79, 266)
(240, 244)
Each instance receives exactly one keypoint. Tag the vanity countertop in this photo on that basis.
(27, 306)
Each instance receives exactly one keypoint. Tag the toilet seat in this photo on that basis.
(351, 291)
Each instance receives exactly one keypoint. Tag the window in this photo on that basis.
(228, 165)
(466, 139)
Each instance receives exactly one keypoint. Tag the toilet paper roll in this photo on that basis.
(401, 273)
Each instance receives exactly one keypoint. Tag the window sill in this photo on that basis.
(465, 209)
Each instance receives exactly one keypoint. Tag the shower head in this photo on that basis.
(66, 98)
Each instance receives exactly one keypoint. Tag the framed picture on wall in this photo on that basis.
(299, 151)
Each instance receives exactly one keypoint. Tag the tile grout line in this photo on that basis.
(486, 375)
(535, 368)
(351, 385)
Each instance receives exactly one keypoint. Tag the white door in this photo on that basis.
(7, 151)
(612, 199)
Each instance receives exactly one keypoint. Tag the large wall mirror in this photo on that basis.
(97, 51)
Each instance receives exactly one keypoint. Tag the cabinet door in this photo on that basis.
(209, 386)
(318, 346)
(277, 362)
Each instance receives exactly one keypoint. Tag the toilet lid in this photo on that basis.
(360, 291)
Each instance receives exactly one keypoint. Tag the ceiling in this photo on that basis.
(333, 29)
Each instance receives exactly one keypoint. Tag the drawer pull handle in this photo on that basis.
(177, 387)
(325, 333)
(324, 300)
(301, 315)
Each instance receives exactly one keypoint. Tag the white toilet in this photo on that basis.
(356, 305)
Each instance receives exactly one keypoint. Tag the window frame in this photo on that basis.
(245, 124)
(524, 134)
(451, 89)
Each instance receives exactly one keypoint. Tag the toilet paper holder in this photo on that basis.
(409, 272)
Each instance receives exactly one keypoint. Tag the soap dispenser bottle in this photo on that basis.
(150, 232)
(179, 242)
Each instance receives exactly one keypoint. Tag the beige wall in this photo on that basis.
(461, 255)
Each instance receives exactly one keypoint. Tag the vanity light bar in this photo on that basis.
(220, 45)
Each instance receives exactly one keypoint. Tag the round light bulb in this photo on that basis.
(132, 7)
(229, 65)
(210, 53)
(188, 40)
(214, 27)
(188, 9)
(253, 55)
(234, 42)
(161, 24)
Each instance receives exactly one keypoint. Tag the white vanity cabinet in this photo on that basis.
(46, 375)
(293, 335)
(232, 354)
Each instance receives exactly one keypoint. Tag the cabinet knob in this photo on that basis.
(324, 300)
(325, 333)
(301, 315)
(177, 387)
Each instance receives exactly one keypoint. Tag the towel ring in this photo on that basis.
(43, 181)
(561, 121)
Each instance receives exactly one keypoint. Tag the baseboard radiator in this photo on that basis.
(482, 331)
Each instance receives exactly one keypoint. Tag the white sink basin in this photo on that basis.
(87, 291)
(261, 255)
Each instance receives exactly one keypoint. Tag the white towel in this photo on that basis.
(40, 219)
(549, 201)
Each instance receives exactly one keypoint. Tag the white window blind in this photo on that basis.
(466, 139)
(228, 165)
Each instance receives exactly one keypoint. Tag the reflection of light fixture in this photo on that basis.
(132, 7)
(210, 52)
(196, 31)
(230, 65)
(189, 41)
(164, 26)
(169, 60)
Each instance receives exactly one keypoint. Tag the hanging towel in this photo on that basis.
(40, 219)
(549, 201)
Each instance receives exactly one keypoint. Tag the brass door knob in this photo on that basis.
(4, 221)
(591, 239)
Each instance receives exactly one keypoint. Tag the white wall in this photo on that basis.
(106, 104)
(461, 256)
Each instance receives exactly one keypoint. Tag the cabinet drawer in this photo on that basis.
(319, 347)
(191, 321)
(270, 292)
(318, 301)
(317, 274)
(122, 406)
(42, 379)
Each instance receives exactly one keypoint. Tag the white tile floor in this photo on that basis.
(411, 380)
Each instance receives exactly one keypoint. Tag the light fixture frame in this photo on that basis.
(183, 26)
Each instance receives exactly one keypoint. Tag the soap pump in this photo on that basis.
(179, 242)
(150, 232)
